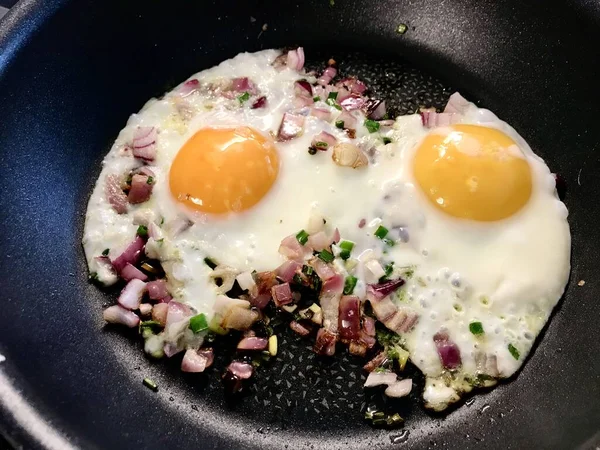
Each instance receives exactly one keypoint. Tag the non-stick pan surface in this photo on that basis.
(70, 74)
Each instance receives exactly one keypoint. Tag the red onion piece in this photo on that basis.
(433, 119)
(384, 289)
(145, 170)
(349, 318)
(327, 76)
(409, 323)
(336, 236)
(131, 255)
(399, 389)
(368, 325)
(260, 301)
(324, 270)
(265, 281)
(188, 87)
(292, 249)
(260, 102)
(176, 312)
(253, 343)
(348, 119)
(352, 102)
(140, 190)
(131, 295)
(448, 351)
(159, 313)
(157, 289)
(369, 341)
(302, 88)
(178, 226)
(119, 315)
(287, 270)
(302, 102)
(325, 342)
(282, 294)
(144, 143)
(353, 85)
(243, 84)
(334, 285)
(376, 362)
(375, 109)
(323, 141)
(196, 361)
(362, 223)
(171, 349)
(319, 241)
(240, 369)
(291, 126)
(456, 104)
(299, 328)
(166, 299)
(131, 272)
(321, 113)
(295, 59)
(379, 378)
(114, 194)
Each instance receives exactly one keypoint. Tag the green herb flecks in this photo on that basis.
(387, 140)
(372, 125)
(346, 248)
(326, 256)
(244, 97)
(339, 124)
(381, 232)
(349, 285)
(476, 328)
(302, 237)
(142, 231)
(198, 323)
(513, 351)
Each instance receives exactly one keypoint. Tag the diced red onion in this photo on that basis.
(119, 315)
(354, 85)
(409, 323)
(369, 341)
(383, 307)
(302, 88)
(171, 349)
(368, 325)
(243, 84)
(319, 241)
(334, 285)
(157, 289)
(144, 143)
(178, 226)
(325, 342)
(282, 294)
(114, 194)
(131, 272)
(352, 102)
(323, 137)
(131, 255)
(260, 102)
(288, 269)
(166, 299)
(375, 109)
(196, 361)
(145, 170)
(188, 87)
(159, 313)
(303, 102)
(176, 312)
(456, 104)
(399, 389)
(321, 113)
(376, 362)
(348, 119)
(336, 236)
(131, 295)
(349, 318)
(140, 189)
(240, 369)
(448, 351)
(299, 328)
(381, 290)
(324, 270)
(253, 343)
(327, 76)
(434, 119)
(295, 59)
(291, 126)
(260, 301)
(292, 249)
(379, 378)
(362, 223)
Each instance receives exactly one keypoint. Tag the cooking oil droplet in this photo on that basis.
(485, 408)
(470, 402)
(400, 438)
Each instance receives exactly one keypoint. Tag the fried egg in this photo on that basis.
(478, 231)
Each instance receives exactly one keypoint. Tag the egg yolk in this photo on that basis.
(221, 170)
(473, 172)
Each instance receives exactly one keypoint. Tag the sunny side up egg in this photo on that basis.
(466, 214)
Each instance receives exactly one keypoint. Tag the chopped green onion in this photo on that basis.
(326, 256)
(142, 231)
(105, 252)
(389, 242)
(332, 96)
(372, 125)
(244, 97)
(322, 145)
(513, 351)
(302, 237)
(346, 247)
(349, 285)
(389, 268)
(316, 99)
(387, 140)
(402, 28)
(476, 328)
(210, 263)
(381, 232)
(307, 270)
(198, 323)
(150, 180)
(150, 384)
(339, 124)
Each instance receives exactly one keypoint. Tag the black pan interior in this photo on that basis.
(71, 73)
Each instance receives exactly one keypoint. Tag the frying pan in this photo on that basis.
(70, 74)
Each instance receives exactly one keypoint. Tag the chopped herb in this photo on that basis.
(381, 232)
(349, 285)
(326, 256)
(402, 28)
(244, 97)
(210, 263)
(105, 252)
(302, 237)
(142, 231)
(153, 324)
(387, 140)
(332, 96)
(387, 338)
(307, 270)
(389, 268)
(312, 151)
(476, 328)
(389, 242)
(346, 247)
(150, 384)
(316, 99)
(321, 145)
(372, 125)
(336, 106)
(198, 323)
(150, 180)
(339, 124)
(513, 351)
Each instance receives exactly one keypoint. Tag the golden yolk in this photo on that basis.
(473, 172)
(221, 170)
